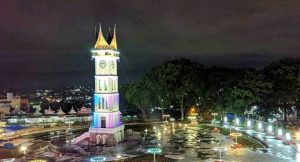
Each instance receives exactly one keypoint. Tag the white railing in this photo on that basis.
(81, 137)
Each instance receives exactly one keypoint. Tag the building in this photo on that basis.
(106, 128)
(7, 102)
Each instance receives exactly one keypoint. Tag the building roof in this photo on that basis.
(109, 44)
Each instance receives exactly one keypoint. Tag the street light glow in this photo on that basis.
(237, 121)
(279, 132)
(154, 150)
(98, 159)
(225, 119)
(249, 124)
(270, 128)
(288, 136)
(259, 125)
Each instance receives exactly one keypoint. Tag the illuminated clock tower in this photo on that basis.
(106, 128)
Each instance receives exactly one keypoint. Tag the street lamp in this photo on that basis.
(225, 120)
(119, 156)
(154, 151)
(288, 136)
(236, 134)
(220, 149)
(270, 129)
(298, 147)
(259, 125)
(166, 117)
(279, 132)
(249, 124)
(237, 121)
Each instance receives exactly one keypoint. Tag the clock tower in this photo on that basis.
(106, 128)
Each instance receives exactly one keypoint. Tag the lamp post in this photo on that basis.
(259, 125)
(166, 117)
(249, 124)
(237, 121)
(220, 149)
(270, 129)
(236, 134)
(225, 120)
(279, 132)
(154, 151)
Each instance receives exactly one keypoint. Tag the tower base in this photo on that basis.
(102, 136)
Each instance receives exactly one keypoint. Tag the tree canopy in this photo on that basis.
(183, 83)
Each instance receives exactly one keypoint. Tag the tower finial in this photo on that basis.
(113, 43)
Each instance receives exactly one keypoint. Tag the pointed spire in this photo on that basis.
(101, 42)
(113, 43)
(72, 111)
(60, 112)
(37, 113)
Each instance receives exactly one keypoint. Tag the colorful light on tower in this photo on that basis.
(106, 128)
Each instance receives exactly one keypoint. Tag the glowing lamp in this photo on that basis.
(97, 159)
(225, 119)
(249, 124)
(154, 151)
(259, 125)
(237, 121)
(270, 128)
(288, 136)
(279, 132)
(119, 156)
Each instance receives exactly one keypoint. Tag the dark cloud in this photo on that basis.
(48, 42)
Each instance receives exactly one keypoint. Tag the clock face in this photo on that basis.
(102, 64)
(112, 64)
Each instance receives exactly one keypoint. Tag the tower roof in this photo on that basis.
(113, 43)
(101, 43)
(109, 43)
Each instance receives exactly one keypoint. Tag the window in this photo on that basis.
(106, 105)
(100, 85)
(103, 122)
(102, 104)
(105, 85)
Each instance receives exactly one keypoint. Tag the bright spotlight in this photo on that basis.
(270, 128)
(279, 132)
(225, 119)
(288, 136)
(249, 124)
(259, 126)
(237, 121)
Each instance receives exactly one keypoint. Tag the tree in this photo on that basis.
(178, 78)
(238, 100)
(140, 95)
(285, 78)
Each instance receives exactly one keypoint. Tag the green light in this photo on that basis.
(154, 150)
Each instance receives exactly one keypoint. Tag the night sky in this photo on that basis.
(45, 44)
